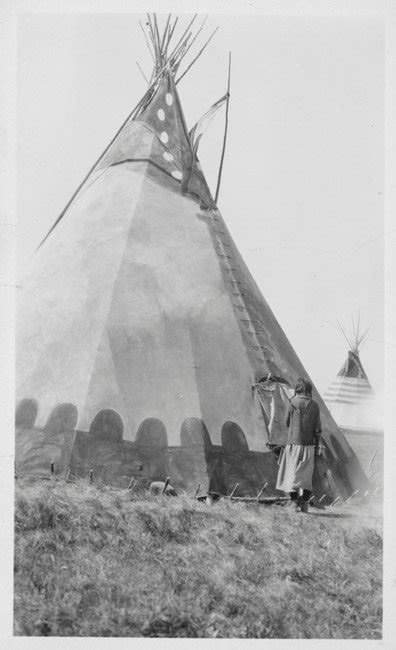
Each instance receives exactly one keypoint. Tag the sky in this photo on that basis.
(303, 180)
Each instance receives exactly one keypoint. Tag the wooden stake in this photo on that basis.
(153, 39)
(262, 490)
(334, 502)
(178, 56)
(52, 468)
(167, 481)
(225, 130)
(143, 75)
(196, 36)
(363, 338)
(321, 498)
(345, 336)
(352, 495)
(371, 460)
(157, 36)
(91, 472)
(67, 475)
(263, 500)
(169, 38)
(147, 42)
(197, 490)
(164, 34)
(354, 334)
(181, 39)
(131, 482)
(234, 490)
(197, 57)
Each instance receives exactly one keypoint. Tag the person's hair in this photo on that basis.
(303, 386)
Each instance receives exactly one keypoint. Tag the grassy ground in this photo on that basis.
(93, 561)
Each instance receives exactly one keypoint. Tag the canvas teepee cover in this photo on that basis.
(350, 398)
(140, 329)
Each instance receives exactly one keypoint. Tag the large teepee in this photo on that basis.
(350, 398)
(140, 329)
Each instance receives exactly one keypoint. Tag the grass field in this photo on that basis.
(93, 561)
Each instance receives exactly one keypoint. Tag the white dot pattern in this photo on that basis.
(168, 156)
(177, 174)
(169, 99)
(161, 114)
(164, 137)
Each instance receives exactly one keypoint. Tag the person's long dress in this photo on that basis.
(296, 465)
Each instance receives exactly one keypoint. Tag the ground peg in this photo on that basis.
(262, 490)
(234, 490)
(352, 496)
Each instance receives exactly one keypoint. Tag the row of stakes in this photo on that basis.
(210, 497)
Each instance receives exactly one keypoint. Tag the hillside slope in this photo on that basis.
(93, 561)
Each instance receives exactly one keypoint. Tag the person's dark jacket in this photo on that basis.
(303, 421)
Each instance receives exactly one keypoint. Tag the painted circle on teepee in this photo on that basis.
(168, 156)
(161, 114)
(177, 174)
(164, 137)
(169, 99)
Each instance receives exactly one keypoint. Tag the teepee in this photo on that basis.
(350, 397)
(141, 334)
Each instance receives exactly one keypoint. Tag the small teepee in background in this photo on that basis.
(350, 398)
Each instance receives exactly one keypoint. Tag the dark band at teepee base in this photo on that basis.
(144, 346)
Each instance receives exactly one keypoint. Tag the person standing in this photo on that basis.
(297, 458)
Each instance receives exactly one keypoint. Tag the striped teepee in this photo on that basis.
(350, 398)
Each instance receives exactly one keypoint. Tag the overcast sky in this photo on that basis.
(303, 179)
